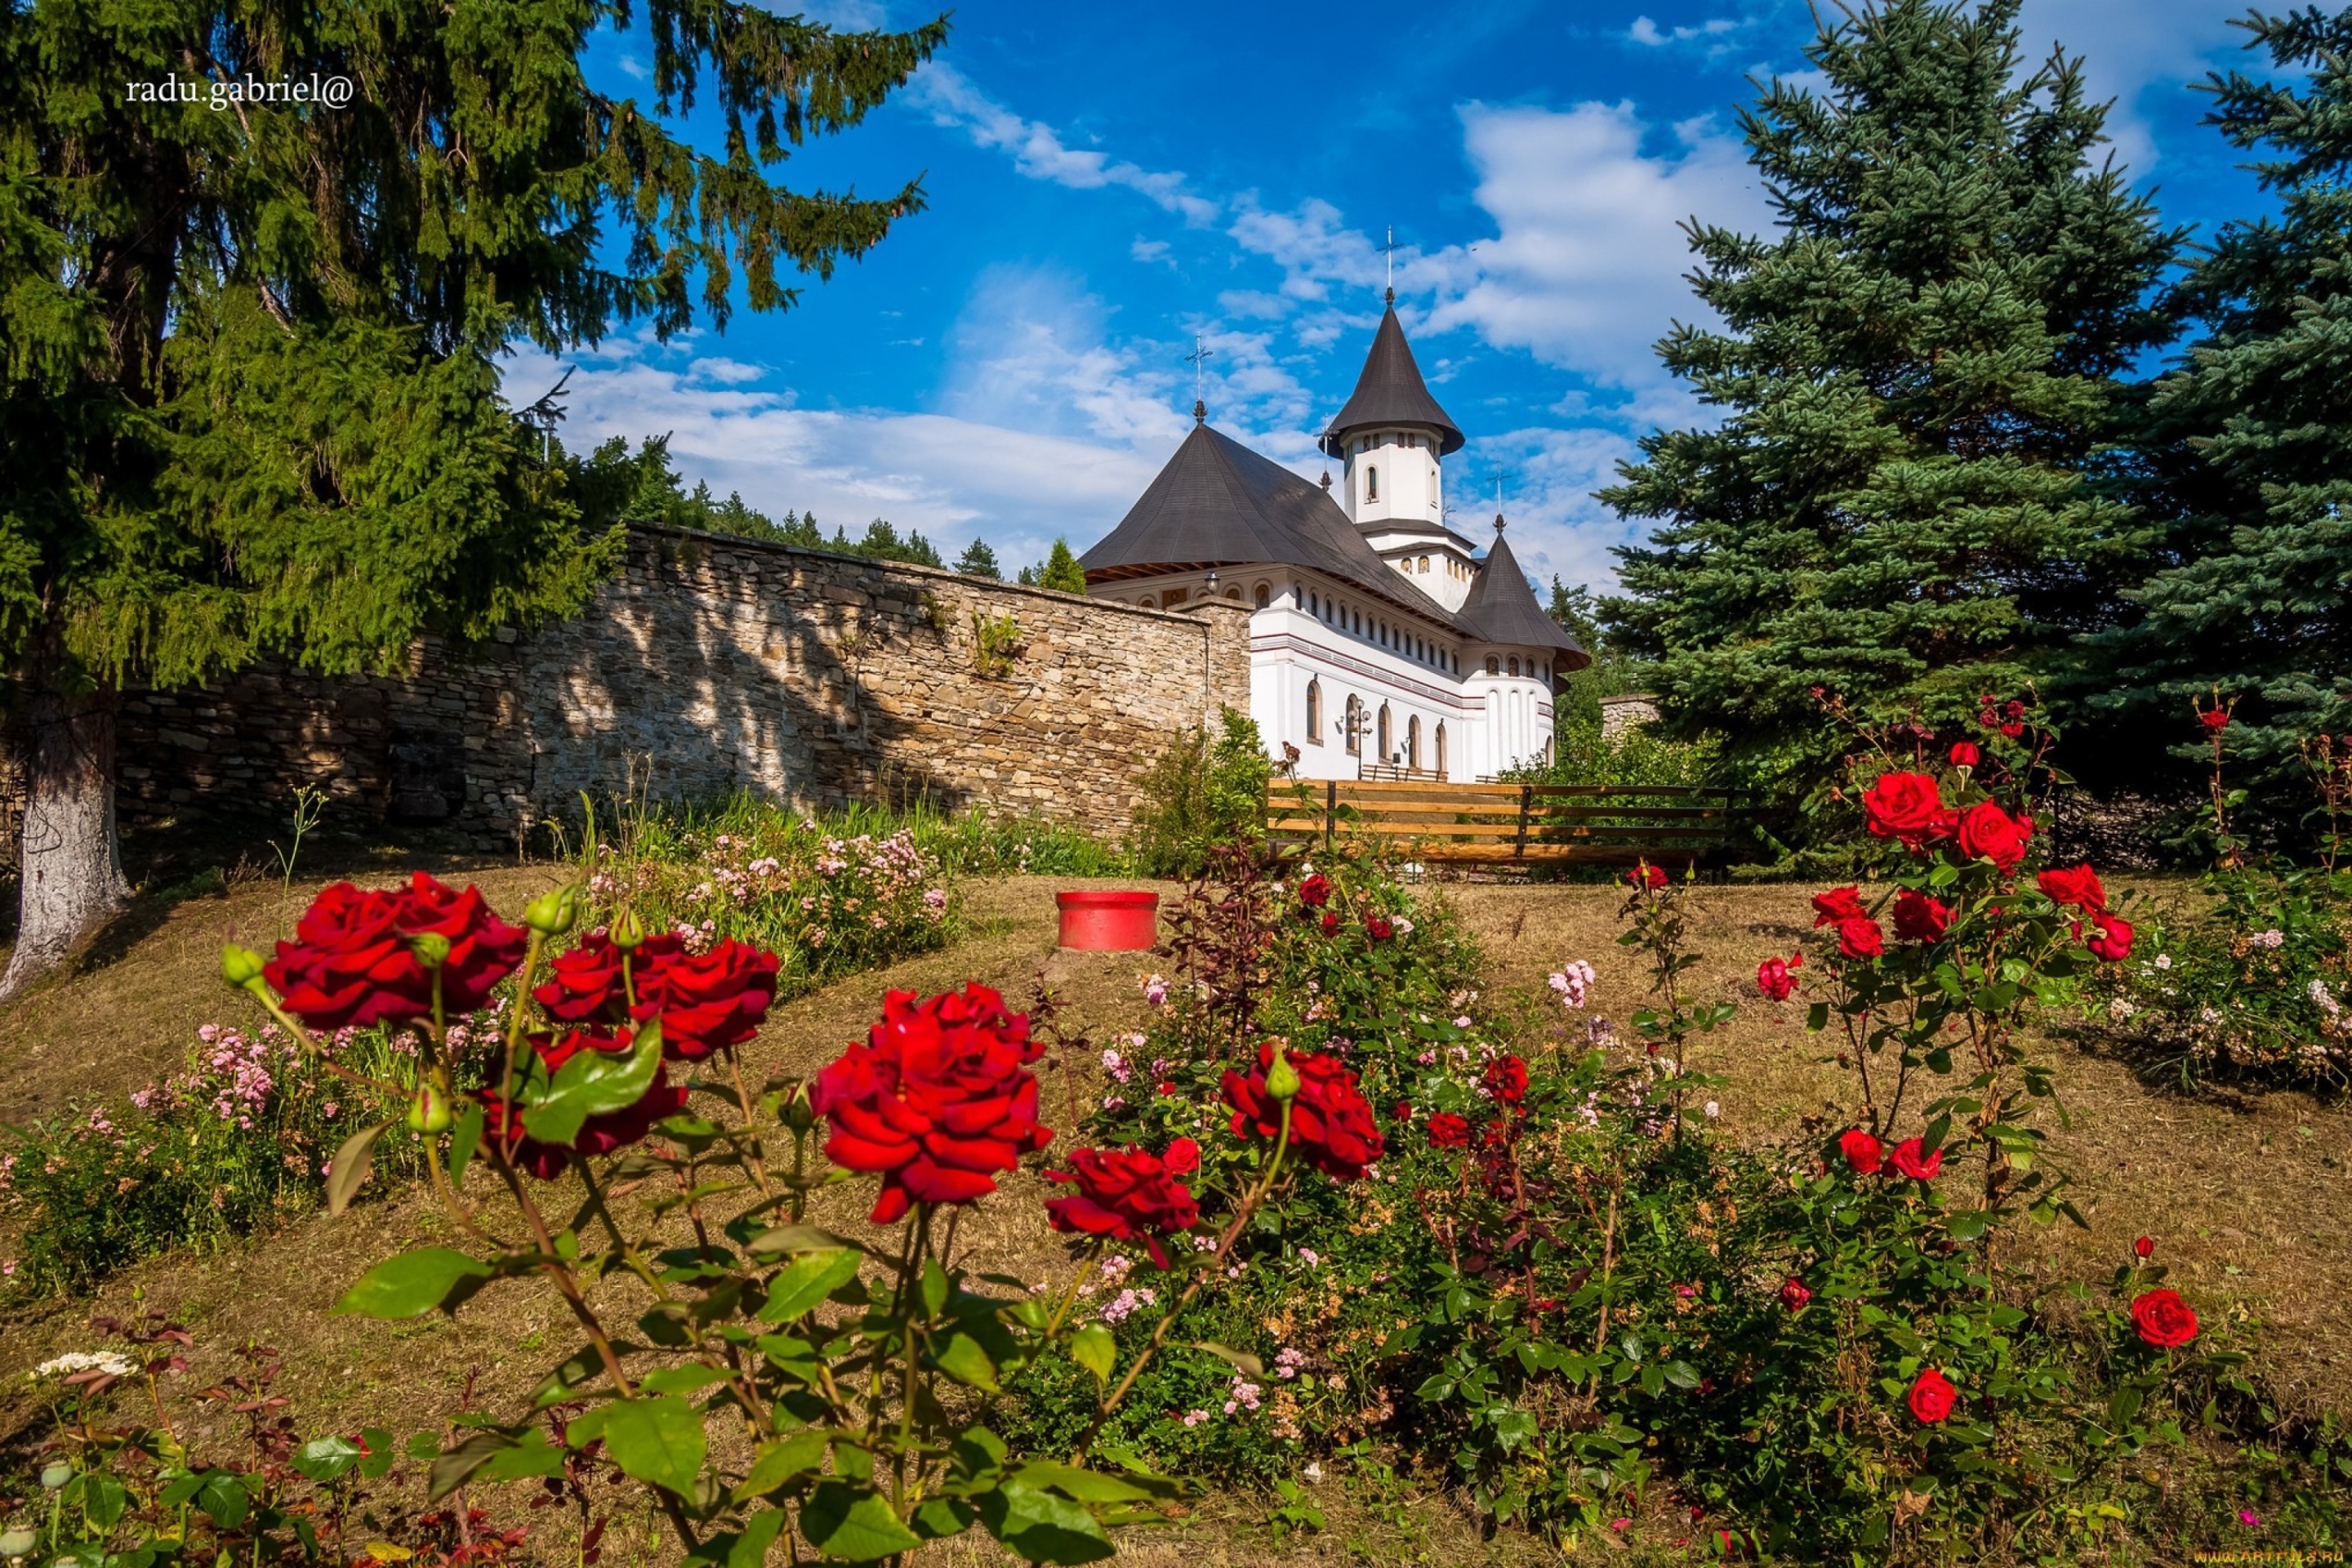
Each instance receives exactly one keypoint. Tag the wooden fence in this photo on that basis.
(1506, 823)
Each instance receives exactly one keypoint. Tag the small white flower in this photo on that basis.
(108, 1361)
(1314, 1473)
(1713, 1109)
(2164, 961)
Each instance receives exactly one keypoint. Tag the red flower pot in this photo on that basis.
(1114, 922)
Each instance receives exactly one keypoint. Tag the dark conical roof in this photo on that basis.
(1390, 391)
(1218, 503)
(1502, 608)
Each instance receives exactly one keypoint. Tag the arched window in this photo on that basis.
(1387, 739)
(1514, 664)
(1314, 713)
(1264, 595)
(1173, 598)
(1425, 566)
(1372, 484)
(1355, 727)
(1441, 749)
(1413, 742)
(1494, 664)
(1145, 602)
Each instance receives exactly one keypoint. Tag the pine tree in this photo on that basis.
(2250, 445)
(978, 560)
(1915, 369)
(1062, 570)
(249, 402)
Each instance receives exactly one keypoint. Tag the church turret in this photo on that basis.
(1391, 439)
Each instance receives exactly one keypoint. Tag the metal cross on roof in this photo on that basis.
(1389, 250)
(1197, 359)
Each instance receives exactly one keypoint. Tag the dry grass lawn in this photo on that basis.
(2248, 1195)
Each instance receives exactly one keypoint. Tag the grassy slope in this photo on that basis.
(2249, 1199)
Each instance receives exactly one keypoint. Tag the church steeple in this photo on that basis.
(1390, 393)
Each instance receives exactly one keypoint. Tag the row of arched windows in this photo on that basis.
(1352, 726)
(1352, 621)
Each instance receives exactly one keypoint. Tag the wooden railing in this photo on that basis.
(1508, 824)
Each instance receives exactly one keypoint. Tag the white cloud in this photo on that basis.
(2131, 50)
(1710, 33)
(1038, 150)
(1550, 475)
(1150, 251)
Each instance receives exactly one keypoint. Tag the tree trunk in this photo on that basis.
(72, 870)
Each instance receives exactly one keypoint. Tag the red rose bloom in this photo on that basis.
(1861, 938)
(1330, 923)
(1794, 1294)
(2110, 938)
(1919, 918)
(1774, 979)
(1647, 877)
(599, 1134)
(707, 1002)
(2078, 887)
(1837, 904)
(1378, 928)
(1905, 806)
(1401, 1111)
(353, 959)
(584, 985)
(1331, 1124)
(1913, 1158)
(1507, 1079)
(2216, 718)
(1448, 1130)
(1314, 891)
(2164, 1319)
(1933, 1396)
(1988, 833)
(939, 1100)
(1964, 754)
(2145, 1246)
(1863, 1152)
(1126, 1194)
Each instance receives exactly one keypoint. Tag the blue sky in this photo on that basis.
(1105, 182)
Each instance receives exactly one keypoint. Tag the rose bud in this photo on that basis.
(553, 913)
(1281, 1078)
(625, 932)
(241, 966)
(429, 1111)
(431, 948)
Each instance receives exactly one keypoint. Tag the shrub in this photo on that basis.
(1202, 792)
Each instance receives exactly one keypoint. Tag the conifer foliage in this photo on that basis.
(1912, 370)
(249, 394)
(2250, 446)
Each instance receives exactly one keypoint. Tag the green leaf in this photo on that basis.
(592, 1083)
(853, 1525)
(1240, 1360)
(786, 1239)
(2123, 1404)
(495, 1456)
(798, 1454)
(324, 1458)
(690, 1379)
(1043, 1528)
(760, 1532)
(659, 1441)
(414, 1282)
(351, 1166)
(1093, 1347)
(935, 1288)
(962, 1359)
(463, 1139)
(1086, 1486)
(380, 1457)
(808, 1279)
(223, 1498)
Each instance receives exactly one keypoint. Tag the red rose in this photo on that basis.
(1905, 806)
(1861, 938)
(1964, 754)
(1167, 1086)
(1646, 877)
(2216, 718)
(1794, 1294)
(2079, 888)
(1126, 1194)
(1932, 1396)
(1379, 928)
(599, 1134)
(939, 1100)
(1774, 979)
(1314, 891)
(1401, 1111)
(1507, 1079)
(1919, 918)
(708, 1002)
(585, 986)
(1913, 1158)
(1448, 1130)
(1863, 1152)
(1988, 833)
(1331, 1124)
(353, 959)
(1837, 904)
(1330, 923)
(2145, 1246)
(2164, 1319)
(2110, 938)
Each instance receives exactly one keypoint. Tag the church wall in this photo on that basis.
(712, 664)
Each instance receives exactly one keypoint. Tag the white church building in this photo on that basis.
(1381, 645)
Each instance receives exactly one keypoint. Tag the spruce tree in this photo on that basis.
(978, 560)
(2249, 445)
(249, 392)
(1062, 570)
(1913, 371)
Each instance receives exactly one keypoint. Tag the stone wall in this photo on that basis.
(712, 664)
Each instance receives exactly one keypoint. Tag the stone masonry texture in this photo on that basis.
(712, 664)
